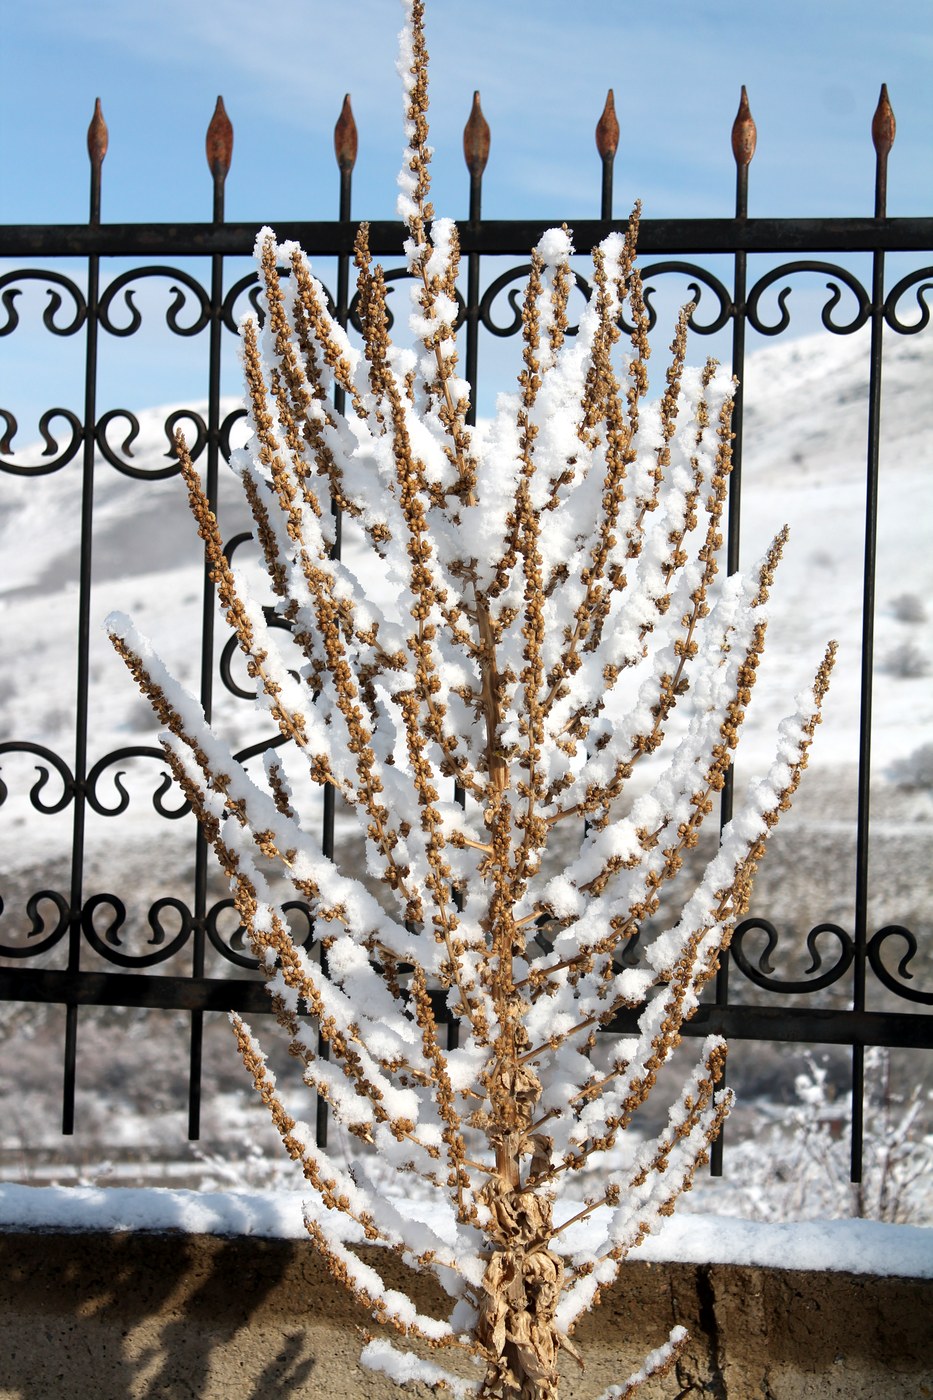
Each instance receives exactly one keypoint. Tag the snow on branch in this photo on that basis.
(526, 683)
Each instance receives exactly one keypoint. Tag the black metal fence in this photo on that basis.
(63, 944)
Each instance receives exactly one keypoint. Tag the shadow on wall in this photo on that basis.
(144, 1316)
(134, 1316)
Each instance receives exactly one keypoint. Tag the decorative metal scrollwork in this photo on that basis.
(51, 445)
(226, 428)
(165, 786)
(230, 683)
(922, 281)
(881, 972)
(761, 974)
(37, 926)
(177, 305)
(274, 741)
(630, 954)
(390, 276)
(840, 274)
(235, 542)
(700, 278)
(108, 944)
(9, 292)
(53, 760)
(250, 285)
(514, 297)
(126, 447)
(231, 652)
(232, 947)
(9, 432)
(196, 443)
(231, 645)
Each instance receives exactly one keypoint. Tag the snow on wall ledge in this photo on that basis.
(845, 1246)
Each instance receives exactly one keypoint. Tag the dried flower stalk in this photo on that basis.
(548, 595)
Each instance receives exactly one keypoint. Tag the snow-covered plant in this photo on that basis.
(482, 692)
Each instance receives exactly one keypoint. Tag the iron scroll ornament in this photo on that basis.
(922, 282)
(252, 287)
(166, 783)
(61, 456)
(37, 925)
(231, 946)
(229, 315)
(196, 442)
(878, 941)
(390, 276)
(108, 944)
(54, 761)
(833, 271)
(701, 278)
(9, 291)
(500, 284)
(761, 974)
(183, 286)
(37, 922)
(164, 943)
(53, 280)
(230, 648)
(236, 415)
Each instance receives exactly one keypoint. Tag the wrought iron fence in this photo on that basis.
(64, 944)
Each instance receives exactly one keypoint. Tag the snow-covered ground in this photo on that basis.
(844, 1246)
(805, 450)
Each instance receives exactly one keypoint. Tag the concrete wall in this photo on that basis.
(126, 1316)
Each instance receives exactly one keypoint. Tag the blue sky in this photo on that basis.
(813, 70)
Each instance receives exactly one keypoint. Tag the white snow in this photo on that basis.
(844, 1246)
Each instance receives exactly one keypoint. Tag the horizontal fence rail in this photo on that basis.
(73, 922)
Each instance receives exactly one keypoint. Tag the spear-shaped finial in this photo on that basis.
(97, 140)
(476, 139)
(744, 132)
(607, 143)
(219, 142)
(883, 125)
(97, 136)
(883, 128)
(346, 139)
(607, 130)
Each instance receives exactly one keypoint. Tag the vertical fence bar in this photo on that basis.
(744, 138)
(607, 143)
(97, 141)
(219, 151)
(476, 141)
(883, 128)
(346, 145)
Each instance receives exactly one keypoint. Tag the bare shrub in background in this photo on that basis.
(915, 772)
(906, 661)
(797, 1168)
(526, 610)
(908, 607)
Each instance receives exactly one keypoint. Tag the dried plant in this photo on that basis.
(535, 603)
